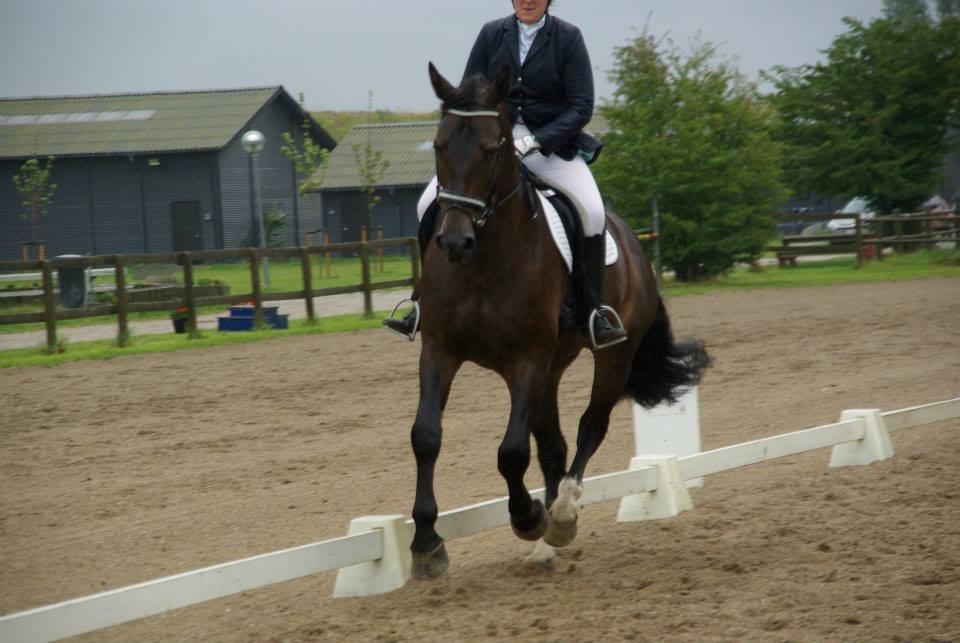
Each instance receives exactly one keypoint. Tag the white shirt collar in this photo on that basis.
(527, 33)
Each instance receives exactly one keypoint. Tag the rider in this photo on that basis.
(550, 101)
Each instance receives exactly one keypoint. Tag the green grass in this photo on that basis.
(164, 343)
(919, 265)
(830, 272)
(285, 276)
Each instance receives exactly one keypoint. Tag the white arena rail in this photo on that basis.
(374, 556)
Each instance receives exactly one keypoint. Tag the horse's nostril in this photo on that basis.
(468, 244)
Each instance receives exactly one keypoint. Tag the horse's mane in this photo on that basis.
(471, 93)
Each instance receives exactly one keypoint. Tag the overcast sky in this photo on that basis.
(335, 51)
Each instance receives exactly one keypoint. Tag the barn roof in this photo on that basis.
(111, 124)
(407, 147)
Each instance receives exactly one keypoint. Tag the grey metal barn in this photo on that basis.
(154, 172)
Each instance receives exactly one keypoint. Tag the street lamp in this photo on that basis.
(252, 143)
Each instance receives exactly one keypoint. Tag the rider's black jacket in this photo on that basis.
(552, 91)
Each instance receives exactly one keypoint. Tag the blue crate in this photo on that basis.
(244, 322)
(235, 323)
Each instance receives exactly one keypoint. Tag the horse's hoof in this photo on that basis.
(560, 534)
(430, 564)
(540, 523)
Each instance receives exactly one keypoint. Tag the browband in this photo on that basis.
(482, 112)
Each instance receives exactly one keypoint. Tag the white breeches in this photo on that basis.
(574, 178)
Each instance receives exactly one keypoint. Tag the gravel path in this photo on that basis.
(324, 307)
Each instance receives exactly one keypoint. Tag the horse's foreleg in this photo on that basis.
(551, 447)
(436, 375)
(526, 382)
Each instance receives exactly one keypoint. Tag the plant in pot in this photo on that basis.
(180, 317)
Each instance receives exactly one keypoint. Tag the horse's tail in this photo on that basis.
(663, 369)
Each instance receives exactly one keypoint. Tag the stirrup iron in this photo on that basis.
(603, 310)
(416, 318)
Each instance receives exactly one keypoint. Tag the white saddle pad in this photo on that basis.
(560, 235)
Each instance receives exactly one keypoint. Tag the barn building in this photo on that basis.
(154, 172)
(407, 149)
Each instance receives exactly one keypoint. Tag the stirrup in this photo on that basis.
(602, 310)
(416, 319)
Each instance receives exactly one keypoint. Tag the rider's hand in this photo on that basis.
(526, 145)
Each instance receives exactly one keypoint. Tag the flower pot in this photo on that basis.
(179, 325)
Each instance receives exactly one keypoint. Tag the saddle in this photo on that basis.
(563, 215)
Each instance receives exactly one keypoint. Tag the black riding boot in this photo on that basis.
(407, 326)
(607, 329)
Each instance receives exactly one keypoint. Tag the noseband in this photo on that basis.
(484, 207)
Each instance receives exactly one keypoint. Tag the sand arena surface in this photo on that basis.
(122, 471)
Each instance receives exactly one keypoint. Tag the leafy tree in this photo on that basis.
(872, 120)
(274, 221)
(36, 191)
(372, 167)
(688, 130)
(307, 158)
(906, 10)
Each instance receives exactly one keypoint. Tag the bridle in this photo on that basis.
(484, 207)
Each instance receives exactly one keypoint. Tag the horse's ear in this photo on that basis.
(441, 87)
(500, 87)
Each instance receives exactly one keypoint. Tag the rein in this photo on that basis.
(486, 206)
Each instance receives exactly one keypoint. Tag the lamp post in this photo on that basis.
(252, 143)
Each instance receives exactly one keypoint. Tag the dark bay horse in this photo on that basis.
(492, 292)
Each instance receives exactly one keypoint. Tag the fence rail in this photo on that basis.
(866, 234)
(186, 260)
(369, 547)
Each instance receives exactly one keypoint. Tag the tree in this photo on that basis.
(372, 167)
(872, 120)
(309, 159)
(36, 192)
(688, 130)
(906, 11)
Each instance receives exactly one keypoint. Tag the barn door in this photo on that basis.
(187, 226)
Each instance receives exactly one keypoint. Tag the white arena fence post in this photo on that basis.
(670, 430)
(389, 572)
(669, 498)
(874, 446)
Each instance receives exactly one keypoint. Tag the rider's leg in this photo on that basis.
(576, 181)
(427, 209)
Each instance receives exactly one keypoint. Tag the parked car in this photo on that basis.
(858, 205)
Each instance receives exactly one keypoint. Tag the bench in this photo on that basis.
(786, 259)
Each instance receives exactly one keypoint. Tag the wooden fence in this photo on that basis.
(868, 238)
(122, 307)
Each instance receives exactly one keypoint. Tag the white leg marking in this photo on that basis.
(542, 554)
(564, 508)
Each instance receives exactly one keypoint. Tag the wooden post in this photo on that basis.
(188, 300)
(898, 232)
(49, 307)
(257, 291)
(380, 250)
(363, 234)
(858, 240)
(326, 255)
(415, 260)
(365, 270)
(120, 280)
(307, 271)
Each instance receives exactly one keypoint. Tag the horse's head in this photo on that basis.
(474, 149)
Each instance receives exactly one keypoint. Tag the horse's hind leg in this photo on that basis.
(611, 370)
(436, 375)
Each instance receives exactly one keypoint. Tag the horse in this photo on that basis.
(492, 292)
